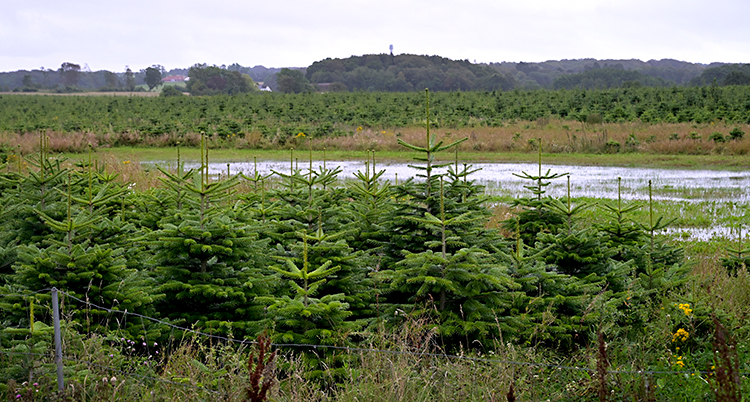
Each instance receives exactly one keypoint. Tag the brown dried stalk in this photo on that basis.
(601, 368)
(511, 396)
(261, 371)
(727, 386)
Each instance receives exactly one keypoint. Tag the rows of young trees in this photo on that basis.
(310, 260)
(282, 116)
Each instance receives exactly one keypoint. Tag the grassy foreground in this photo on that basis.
(409, 364)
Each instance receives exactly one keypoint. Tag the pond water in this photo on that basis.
(585, 181)
(712, 187)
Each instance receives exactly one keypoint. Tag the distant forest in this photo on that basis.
(404, 73)
(71, 77)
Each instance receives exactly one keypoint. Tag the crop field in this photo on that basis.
(320, 282)
(276, 119)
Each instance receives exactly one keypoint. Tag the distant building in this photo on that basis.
(174, 78)
(263, 87)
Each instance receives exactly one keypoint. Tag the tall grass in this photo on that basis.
(407, 364)
(559, 136)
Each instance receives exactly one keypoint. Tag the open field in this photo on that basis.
(671, 121)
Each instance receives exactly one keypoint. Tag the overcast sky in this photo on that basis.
(108, 35)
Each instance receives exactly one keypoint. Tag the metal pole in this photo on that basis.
(58, 342)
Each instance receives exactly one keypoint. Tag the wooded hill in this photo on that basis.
(544, 74)
(406, 72)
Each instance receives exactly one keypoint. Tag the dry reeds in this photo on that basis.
(558, 136)
(58, 142)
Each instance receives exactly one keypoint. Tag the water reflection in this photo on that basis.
(680, 186)
(586, 181)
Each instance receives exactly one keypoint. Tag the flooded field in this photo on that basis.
(586, 181)
(720, 196)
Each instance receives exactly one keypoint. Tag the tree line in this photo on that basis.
(400, 73)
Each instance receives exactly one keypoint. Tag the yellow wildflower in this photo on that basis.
(126, 162)
(359, 128)
(685, 307)
(301, 134)
(680, 335)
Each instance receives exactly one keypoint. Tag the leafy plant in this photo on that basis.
(736, 134)
(716, 137)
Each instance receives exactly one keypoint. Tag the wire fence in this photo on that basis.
(360, 350)
(113, 370)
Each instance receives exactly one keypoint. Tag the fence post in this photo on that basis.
(58, 342)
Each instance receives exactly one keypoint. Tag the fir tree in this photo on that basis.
(620, 233)
(306, 201)
(415, 199)
(300, 317)
(371, 205)
(574, 251)
(549, 307)
(440, 263)
(207, 258)
(737, 257)
(536, 216)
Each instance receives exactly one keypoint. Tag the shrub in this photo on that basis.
(612, 147)
(632, 142)
(594, 118)
(674, 137)
(716, 137)
(736, 134)
(171, 91)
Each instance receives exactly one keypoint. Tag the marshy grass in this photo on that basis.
(558, 137)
